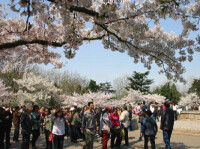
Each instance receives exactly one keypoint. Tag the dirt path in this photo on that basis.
(178, 141)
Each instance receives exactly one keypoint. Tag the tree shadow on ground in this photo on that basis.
(162, 146)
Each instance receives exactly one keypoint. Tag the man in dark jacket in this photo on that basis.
(167, 124)
(26, 124)
(8, 125)
(2, 127)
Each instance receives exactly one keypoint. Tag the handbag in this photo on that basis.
(50, 138)
(117, 129)
(122, 133)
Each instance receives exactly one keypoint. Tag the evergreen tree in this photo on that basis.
(195, 88)
(169, 91)
(139, 82)
(93, 87)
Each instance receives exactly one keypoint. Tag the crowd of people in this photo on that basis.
(84, 123)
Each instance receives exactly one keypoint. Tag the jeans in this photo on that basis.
(25, 141)
(126, 135)
(36, 134)
(152, 140)
(89, 139)
(166, 137)
(48, 143)
(16, 133)
(106, 136)
(116, 143)
(58, 141)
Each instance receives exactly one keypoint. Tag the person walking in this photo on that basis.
(58, 129)
(77, 123)
(48, 128)
(26, 124)
(124, 118)
(89, 126)
(167, 124)
(36, 125)
(149, 129)
(116, 128)
(130, 118)
(16, 123)
(105, 127)
(2, 126)
(8, 125)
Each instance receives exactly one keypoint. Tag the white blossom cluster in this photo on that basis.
(189, 99)
(5, 96)
(33, 87)
(122, 25)
(99, 99)
(103, 100)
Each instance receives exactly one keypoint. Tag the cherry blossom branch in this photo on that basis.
(41, 42)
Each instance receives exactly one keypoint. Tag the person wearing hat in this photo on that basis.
(124, 118)
(105, 126)
(167, 124)
(149, 129)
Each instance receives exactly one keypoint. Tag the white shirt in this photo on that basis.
(105, 123)
(59, 126)
(174, 107)
(124, 118)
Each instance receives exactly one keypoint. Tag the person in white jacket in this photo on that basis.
(105, 127)
(124, 118)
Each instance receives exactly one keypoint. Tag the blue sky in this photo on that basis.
(95, 62)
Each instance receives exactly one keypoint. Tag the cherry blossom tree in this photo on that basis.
(5, 96)
(189, 99)
(99, 99)
(37, 89)
(121, 25)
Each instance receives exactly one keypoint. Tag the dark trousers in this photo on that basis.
(2, 131)
(167, 137)
(73, 134)
(16, 133)
(25, 141)
(35, 134)
(106, 136)
(146, 140)
(58, 141)
(48, 143)
(7, 132)
(175, 115)
(130, 127)
(114, 135)
(126, 135)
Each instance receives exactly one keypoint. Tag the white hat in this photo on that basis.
(75, 104)
(72, 109)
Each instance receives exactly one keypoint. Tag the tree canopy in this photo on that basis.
(195, 88)
(169, 91)
(139, 82)
(121, 25)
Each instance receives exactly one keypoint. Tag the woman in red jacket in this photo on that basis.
(115, 132)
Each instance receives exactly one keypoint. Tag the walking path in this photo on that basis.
(178, 141)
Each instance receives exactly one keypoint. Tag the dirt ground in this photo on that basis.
(178, 141)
